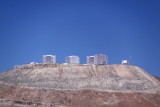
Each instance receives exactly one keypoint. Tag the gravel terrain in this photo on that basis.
(75, 85)
(74, 76)
(14, 96)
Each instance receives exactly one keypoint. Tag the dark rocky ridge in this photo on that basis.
(158, 78)
(71, 76)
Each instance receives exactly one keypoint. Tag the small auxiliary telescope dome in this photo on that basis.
(125, 62)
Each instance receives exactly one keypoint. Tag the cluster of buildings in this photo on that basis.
(98, 59)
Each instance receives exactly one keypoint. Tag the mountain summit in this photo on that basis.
(76, 76)
(68, 78)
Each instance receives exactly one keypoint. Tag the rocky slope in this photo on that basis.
(60, 85)
(12, 96)
(99, 77)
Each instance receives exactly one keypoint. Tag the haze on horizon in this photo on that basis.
(119, 29)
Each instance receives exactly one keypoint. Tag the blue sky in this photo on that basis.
(117, 28)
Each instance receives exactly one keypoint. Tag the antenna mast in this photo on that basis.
(130, 57)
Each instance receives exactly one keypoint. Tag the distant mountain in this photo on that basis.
(76, 85)
(157, 78)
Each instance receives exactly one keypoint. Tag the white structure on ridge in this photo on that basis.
(100, 59)
(125, 62)
(90, 59)
(49, 59)
(73, 59)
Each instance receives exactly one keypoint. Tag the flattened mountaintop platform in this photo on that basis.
(77, 76)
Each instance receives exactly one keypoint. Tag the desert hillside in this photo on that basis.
(98, 77)
(75, 85)
(13, 96)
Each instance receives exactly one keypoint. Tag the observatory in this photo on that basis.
(125, 62)
(90, 59)
(73, 59)
(49, 59)
(100, 59)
